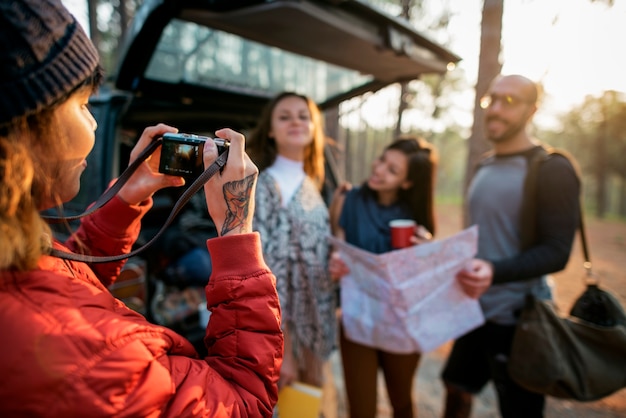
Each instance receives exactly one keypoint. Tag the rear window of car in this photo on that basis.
(193, 54)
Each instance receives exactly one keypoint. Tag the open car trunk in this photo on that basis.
(332, 50)
(201, 65)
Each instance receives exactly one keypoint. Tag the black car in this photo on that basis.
(200, 65)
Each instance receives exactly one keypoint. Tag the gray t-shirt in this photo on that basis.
(495, 202)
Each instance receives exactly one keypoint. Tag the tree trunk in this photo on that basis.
(402, 106)
(92, 16)
(489, 66)
(404, 87)
(124, 19)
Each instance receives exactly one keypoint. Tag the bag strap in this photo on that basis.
(590, 277)
(529, 211)
(216, 166)
(535, 158)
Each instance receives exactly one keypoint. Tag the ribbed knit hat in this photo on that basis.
(44, 55)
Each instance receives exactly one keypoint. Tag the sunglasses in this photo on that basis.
(506, 100)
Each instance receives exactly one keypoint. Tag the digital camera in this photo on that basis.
(181, 154)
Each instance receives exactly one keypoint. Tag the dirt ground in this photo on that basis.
(607, 243)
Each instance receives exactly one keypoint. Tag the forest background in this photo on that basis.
(444, 108)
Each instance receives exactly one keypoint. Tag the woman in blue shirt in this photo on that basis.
(400, 186)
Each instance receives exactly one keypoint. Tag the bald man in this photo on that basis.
(507, 267)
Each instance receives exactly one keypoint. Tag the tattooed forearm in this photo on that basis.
(237, 196)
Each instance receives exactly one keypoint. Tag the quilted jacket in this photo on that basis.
(70, 349)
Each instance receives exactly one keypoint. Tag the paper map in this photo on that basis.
(408, 300)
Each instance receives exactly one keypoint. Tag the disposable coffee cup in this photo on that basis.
(401, 232)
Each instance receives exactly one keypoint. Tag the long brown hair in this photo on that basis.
(29, 162)
(423, 160)
(262, 148)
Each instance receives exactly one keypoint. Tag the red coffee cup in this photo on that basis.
(401, 232)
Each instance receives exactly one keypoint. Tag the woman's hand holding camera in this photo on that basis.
(147, 179)
(230, 192)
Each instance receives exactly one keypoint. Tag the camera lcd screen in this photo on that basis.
(181, 157)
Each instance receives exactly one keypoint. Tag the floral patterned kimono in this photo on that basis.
(296, 249)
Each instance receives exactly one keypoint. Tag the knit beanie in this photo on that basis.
(44, 55)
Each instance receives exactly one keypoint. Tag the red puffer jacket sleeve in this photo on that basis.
(106, 360)
(111, 230)
(243, 337)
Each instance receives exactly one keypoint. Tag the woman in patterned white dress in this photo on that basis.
(292, 218)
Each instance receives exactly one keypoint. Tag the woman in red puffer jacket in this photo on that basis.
(70, 349)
